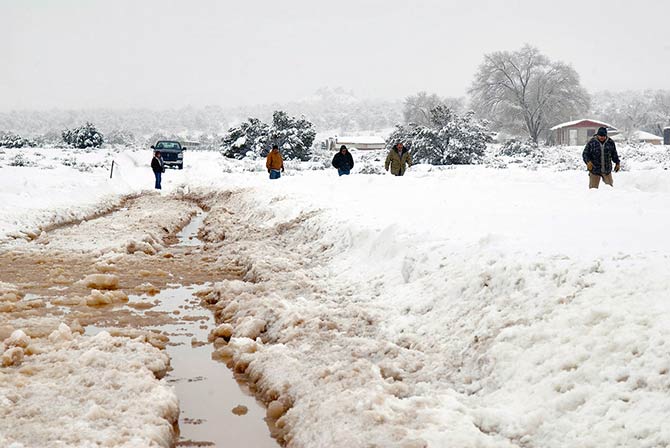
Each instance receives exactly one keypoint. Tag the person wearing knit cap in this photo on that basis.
(598, 155)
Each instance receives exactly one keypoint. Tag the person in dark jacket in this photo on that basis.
(343, 161)
(398, 159)
(157, 167)
(599, 153)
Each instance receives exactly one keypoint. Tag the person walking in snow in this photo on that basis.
(398, 159)
(343, 161)
(599, 153)
(274, 163)
(158, 168)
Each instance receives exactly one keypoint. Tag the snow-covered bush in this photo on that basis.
(20, 160)
(644, 156)
(370, 162)
(253, 138)
(69, 161)
(246, 140)
(514, 147)
(86, 136)
(450, 139)
(11, 140)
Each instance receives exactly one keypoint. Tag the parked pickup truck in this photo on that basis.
(172, 153)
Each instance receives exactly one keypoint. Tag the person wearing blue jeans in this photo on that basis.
(343, 161)
(274, 163)
(157, 167)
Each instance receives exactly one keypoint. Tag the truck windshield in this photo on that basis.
(168, 145)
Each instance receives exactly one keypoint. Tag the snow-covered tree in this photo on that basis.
(248, 139)
(634, 110)
(294, 136)
(525, 90)
(449, 139)
(86, 136)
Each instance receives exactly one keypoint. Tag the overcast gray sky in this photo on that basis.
(163, 53)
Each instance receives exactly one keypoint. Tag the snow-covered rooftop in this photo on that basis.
(362, 139)
(576, 122)
(638, 135)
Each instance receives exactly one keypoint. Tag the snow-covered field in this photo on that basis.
(466, 306)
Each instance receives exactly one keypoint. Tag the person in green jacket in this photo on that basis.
(398, 159)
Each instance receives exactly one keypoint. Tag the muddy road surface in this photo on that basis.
(141, 271)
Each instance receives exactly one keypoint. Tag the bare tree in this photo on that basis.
(634, 110)
(524, 90)
(417, 108)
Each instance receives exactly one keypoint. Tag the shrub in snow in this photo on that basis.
(450, 139)
(11, 140)
(515, 147)
(69, 161)
(527, 151)
(247, 140)
(644, 156)
(86, 136)
(20, 160)
(253, 138)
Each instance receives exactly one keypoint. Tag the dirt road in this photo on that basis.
(138, 271)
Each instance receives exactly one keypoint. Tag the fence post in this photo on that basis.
(111, 172)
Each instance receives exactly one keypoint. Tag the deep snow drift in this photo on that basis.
(470, 307)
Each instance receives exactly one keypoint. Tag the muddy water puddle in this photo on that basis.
(215, 409)
(188, 236)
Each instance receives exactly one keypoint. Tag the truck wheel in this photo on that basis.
(181, 166)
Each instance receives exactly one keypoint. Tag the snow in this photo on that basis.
(638, 136)
(54, 191)
(511, 308)
(241, 141)
(78, 391)
(464, 306)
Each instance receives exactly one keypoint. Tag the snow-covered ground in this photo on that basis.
(465, 306)
(70, 390)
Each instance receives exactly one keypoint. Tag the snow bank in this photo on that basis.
(460, 307)
(74, 391)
